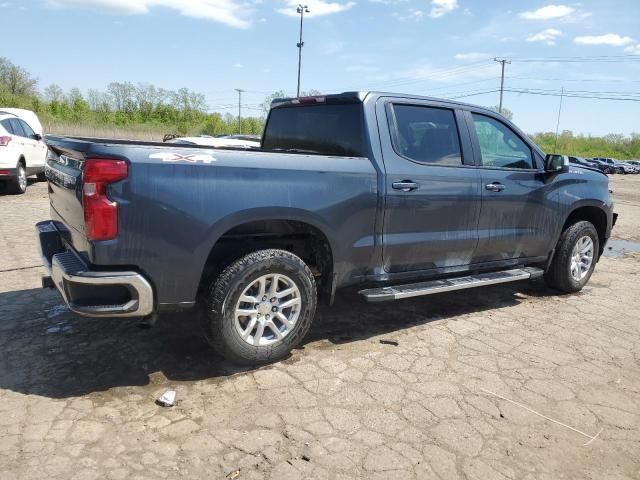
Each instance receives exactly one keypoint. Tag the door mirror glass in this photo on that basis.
(556, 163)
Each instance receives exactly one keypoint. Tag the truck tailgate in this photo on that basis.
(64, 173)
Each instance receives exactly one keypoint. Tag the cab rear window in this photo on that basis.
(317, 129)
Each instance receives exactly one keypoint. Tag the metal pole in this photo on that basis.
(502, 62)
(301, 9)
(555, 145)
(239, 90)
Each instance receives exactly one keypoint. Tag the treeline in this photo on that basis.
(610, 146)
(125, 105)
(122, 104)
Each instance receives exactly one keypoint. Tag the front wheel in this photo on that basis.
(260, 307)
(575, 258)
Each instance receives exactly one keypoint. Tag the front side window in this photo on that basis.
(27, 129)
(500, 146)
(426, 134)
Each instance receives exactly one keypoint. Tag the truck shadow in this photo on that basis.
(47, 350)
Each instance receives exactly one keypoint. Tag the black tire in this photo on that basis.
(225, 291)
(18, 185)
(558, 275)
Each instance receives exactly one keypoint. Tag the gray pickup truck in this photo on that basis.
(402, 195)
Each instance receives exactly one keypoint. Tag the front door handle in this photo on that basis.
(494, 187)
(405, 185)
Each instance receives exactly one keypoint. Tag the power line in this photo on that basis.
(565, 93)
(583, 59)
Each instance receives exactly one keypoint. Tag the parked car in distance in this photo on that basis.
(602, 166)
(22, 151)
(399, 194)
(628, 167)
(230, 141)
(611, 164)
(583, 162)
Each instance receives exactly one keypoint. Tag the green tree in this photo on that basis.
(505, 111)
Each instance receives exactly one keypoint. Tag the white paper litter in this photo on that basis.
(167, 399)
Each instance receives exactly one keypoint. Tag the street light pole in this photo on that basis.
(239, 90)
(302, 9)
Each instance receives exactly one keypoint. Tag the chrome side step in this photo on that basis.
(397, 292)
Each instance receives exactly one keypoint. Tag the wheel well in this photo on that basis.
(299, 238)
(22, 161)
(595, 215)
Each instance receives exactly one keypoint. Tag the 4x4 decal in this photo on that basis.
(178, 157)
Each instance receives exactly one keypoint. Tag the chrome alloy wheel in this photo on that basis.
(268, 309)
(582, 258)
(22, 178)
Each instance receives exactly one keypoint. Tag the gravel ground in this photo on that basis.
(77, 395)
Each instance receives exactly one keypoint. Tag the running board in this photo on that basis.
(397, 292)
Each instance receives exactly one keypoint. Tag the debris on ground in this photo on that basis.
(387, 341)
(233, 474)
(167, 399)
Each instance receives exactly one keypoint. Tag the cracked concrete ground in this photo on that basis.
(77, 395)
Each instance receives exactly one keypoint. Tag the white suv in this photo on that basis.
(22, 152)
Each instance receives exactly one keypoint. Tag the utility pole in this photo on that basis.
(555, 145)
(239, 90)
(502, 61)
(302, 9)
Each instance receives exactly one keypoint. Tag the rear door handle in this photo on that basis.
(405, 185)
(494, 187)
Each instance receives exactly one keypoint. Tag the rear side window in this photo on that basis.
(320, 129)
(17, 128)
(500, 146)
(426, 134)
(7, 126)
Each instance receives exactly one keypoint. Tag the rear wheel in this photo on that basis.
(575, 258)
(260, 307)
(18, 185)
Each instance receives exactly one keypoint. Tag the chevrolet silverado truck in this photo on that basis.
(398, 194)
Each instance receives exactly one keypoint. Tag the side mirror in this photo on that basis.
(36, 136)
(556, 163)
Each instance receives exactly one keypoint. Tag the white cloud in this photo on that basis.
(548, 36)
(472, 56)
(442, 7)
(612, 39)
(5, 5)
(548, 13)
(633, 49)
(317, 7)
(412, 14)
(228, 12)
(237, 65)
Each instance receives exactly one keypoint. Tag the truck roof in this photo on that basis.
(360, 96)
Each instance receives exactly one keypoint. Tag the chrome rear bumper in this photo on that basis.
(92, 293)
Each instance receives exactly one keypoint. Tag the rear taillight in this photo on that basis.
(4, 141)
(100, 212)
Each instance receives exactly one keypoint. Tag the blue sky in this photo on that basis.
(441, 48)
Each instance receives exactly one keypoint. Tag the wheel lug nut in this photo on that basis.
(274, 309)
(268, 316)
(264, 298)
